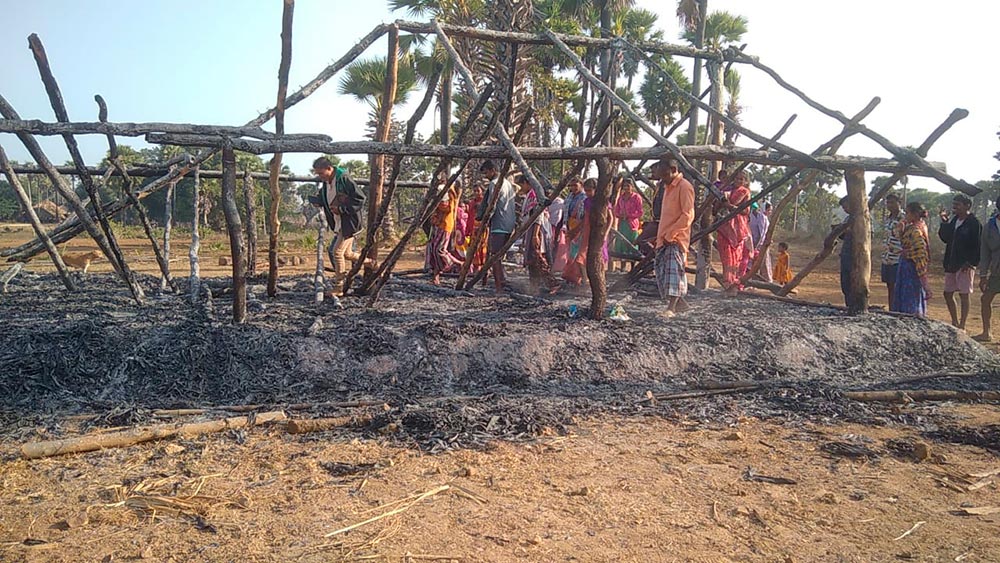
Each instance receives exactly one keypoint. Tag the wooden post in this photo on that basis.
(249, 195)
(600, 215)
(382, 135)
(36, 224)
(168, 223)
(195, 247)
(273, 222)
(319, 283)
(127, 189)
(235, 229)
(861, 248)
(106, 237)
(444, 100)
(704, 255)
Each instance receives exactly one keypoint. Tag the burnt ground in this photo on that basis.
(456, 370)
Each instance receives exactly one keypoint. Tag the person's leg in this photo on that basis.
(950, 287)
(987, 311)
(964, 302)
(495, 244)
(340, 252)
(967, 279)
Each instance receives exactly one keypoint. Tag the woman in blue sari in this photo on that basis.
(912, 289)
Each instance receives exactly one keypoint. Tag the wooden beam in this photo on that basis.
(195, 247)
(36, 224)
(861, 266)
(129, 129)
(249, 199)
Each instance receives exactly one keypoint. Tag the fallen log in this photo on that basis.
(92, 442)
(307, 425)
(917, 395)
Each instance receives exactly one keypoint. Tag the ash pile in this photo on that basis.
(459, 370)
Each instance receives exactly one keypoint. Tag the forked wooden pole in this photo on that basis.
(36, 224)
(168, 228)
(273, 221)
(249, 198)
(128, 190)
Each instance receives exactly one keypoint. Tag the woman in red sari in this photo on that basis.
(733, 234)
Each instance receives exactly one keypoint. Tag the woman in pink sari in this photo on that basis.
(733, 234)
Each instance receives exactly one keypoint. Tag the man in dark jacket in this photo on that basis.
(961, 233)
(342, 201)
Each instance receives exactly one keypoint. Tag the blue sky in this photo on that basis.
(215, 62)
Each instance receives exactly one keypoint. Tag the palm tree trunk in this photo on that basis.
(699, 42)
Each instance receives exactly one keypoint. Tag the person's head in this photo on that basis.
(575, 185)
(477, 190)
(844, 204)
(892, 203)
(961, 204)
(915, 211)
(523, 185)
(782, 246)
(723, 174)
(628, 186)
(489, 169)
(666, 169)
(767, 208)
(740, 179)
(590, 187)
(323, 168)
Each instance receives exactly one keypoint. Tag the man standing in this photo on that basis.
(892, 246)
(961, 234)
(503, 220)
(759, 223)
(342, 201)
(673, 235)
(989, 279)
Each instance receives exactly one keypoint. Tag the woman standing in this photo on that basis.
(628, 211)
(733, 234)
(912, 289)
(471, 224)
(442, 224)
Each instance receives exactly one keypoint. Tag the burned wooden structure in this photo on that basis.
(487, 133)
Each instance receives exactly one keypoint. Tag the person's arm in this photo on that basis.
(481, 210)
(985, 256)
(946, 232)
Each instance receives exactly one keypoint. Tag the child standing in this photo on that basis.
(782, 271)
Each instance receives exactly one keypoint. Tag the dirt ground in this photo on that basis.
(685, 483)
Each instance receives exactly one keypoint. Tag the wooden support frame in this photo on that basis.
(249, 200)
(235, 229)
(861, 246)
(195, 248)
(36, 224)
(273, 221)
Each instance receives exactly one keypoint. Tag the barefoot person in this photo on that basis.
(960, 234)
(891, 246)
(673, 236)
(912, 288)
(733, 234)
(628, 211)
(989, 279)
(342, 201)
(439, 256)
(504, 217)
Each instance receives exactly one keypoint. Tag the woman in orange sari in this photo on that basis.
(733, 234)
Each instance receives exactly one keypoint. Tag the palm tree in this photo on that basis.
(365, 80)
(733, 108)
(659, 102)
(721, 30)
(691, 14)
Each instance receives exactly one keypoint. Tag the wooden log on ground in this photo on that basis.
(195, 248)
(108, 243)
(307, 425)
(861, 251)
(917, 395)
(36, 224)
(235, 229)
(249, 198)
(273, 221)
(830, 242)
(9, 275)
(93, 442)
(128, 187)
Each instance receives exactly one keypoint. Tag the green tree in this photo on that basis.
(660, 103)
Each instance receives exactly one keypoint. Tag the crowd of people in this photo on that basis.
(556, 242)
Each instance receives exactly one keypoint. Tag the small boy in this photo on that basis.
(782, 271)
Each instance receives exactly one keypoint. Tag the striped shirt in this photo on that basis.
(892, 245)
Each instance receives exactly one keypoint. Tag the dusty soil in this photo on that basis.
(538, 423)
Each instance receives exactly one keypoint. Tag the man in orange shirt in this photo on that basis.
(673, 235)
